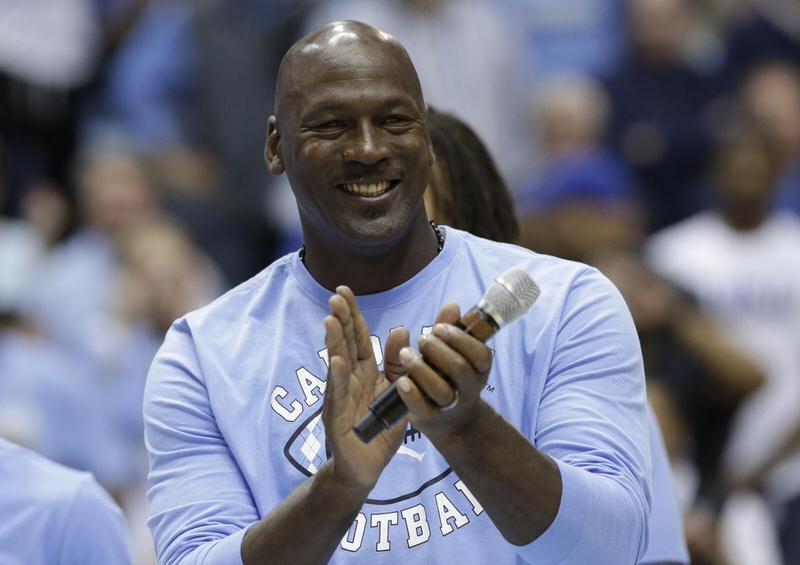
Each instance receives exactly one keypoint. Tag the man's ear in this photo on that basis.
(272, 149)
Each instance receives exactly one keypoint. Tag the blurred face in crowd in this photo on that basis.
(745, 177)
(571, 117)
(772, 94)
(164, 275)
(350, 133)
(658, 28)
(115, 194)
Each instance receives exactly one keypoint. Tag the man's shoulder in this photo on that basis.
(237, 301)
(40, 481)
(502, 256)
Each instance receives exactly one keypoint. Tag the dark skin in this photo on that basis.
(350, 121)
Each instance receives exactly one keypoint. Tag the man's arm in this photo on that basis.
(581, 495)
(327, 503)
(202, 508)
(308, 526)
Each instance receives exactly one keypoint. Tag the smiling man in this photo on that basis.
(532, 451)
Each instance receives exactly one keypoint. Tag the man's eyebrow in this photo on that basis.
(312, 109)
(401, 101)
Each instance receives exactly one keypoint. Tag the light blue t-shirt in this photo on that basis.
(55, 515)
(234, 396)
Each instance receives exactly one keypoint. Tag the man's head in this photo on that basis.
(658, 29)
(771, 93)
(572, 113)
(349, 131)
(745, 171)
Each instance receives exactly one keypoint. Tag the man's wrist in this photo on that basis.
(327, 483)
(480, 420)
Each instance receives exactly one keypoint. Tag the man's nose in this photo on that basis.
(366, 145)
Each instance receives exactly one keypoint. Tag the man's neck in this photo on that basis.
(366, 271)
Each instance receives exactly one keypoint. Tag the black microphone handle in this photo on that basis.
(388, 408)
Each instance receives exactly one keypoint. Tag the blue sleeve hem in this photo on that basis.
(228, 551)
(559, 541)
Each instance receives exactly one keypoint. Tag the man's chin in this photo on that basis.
(374, 235)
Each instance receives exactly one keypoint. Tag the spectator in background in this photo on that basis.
(467, 54)
(740, 261)
(659, 111)
(585, 200)
(53, 514)
(696, 380)
(771, 93)
(769, 32)
(191, 85)
(52, 55)
(104, 301)
(72, 298)
(48, 52)
(570, 36)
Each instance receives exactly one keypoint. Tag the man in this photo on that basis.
(55, 515)
(253, 457)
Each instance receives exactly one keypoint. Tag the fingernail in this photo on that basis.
(407, 355)
(440, 330)
(403, 384)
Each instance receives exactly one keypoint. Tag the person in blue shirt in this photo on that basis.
(54, 515)
(535, 450)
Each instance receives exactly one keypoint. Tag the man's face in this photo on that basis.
(353, 142)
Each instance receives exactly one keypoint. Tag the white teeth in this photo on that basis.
(373, 189)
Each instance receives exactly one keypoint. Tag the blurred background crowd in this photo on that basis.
(658, 140)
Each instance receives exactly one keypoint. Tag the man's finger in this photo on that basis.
(413, 398)
(392, 365)
(449, 314)
(334, 338)
(439, 354)
(336, 391)
(341, 310)
(435, 387)
(360, 330)
(473, 350)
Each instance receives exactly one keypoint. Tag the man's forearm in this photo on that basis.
(307, 526)
(518, 486)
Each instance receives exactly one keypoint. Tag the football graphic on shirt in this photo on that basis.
(422, 466)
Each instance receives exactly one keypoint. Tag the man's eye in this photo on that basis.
(332, 125)
(397, 121)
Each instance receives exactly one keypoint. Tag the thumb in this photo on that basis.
(392, 366)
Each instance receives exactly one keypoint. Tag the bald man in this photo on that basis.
(533, 451)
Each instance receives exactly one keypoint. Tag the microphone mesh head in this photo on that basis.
(510, 296)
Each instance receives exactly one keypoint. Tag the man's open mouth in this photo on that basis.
(368, 188)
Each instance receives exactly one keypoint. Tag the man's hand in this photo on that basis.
(466, 363)
(353, 382)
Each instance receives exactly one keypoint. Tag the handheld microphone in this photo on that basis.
(509, 297)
